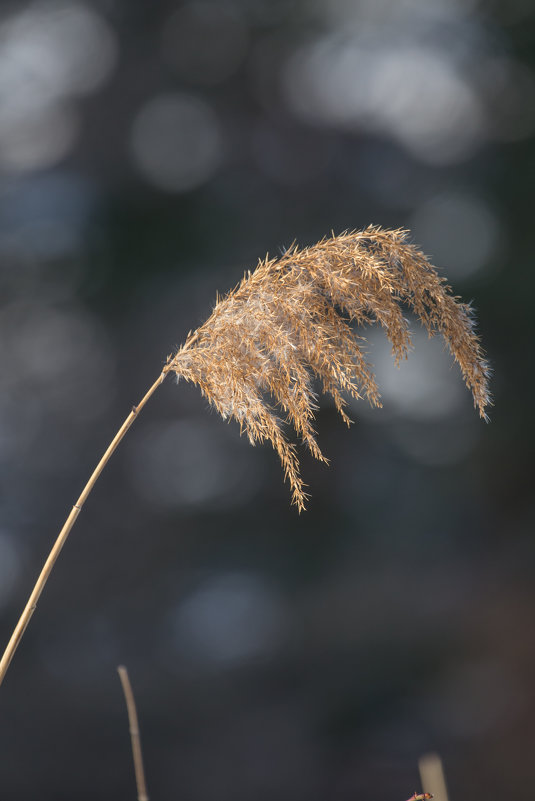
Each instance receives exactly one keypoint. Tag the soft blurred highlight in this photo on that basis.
(50, 54)
(176, 142)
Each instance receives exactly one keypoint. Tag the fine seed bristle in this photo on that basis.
(292, 320)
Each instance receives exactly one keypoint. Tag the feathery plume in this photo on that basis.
(292, 320)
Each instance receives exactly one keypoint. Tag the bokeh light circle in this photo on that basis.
(176, 142)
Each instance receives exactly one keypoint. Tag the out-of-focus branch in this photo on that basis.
(134, 734)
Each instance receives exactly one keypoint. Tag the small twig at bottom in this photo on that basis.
(432, 775)
(134, 734)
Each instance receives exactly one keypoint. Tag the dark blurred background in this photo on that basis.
(149, 153)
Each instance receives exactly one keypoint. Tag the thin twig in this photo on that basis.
(134, 734)
(31, 605)
(432, 776)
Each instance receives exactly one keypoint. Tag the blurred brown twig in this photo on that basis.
(134, 734)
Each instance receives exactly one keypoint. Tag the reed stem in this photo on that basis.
(134, 734)
(31, 604)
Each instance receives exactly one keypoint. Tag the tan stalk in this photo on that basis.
(31, 605)
(134, 734)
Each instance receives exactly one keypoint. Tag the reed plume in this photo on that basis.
(292, 321)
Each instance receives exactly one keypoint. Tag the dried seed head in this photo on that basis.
(291, 320)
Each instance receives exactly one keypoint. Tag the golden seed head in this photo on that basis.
(291, 320)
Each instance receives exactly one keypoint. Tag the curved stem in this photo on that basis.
(31, 604)
(135, 736)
